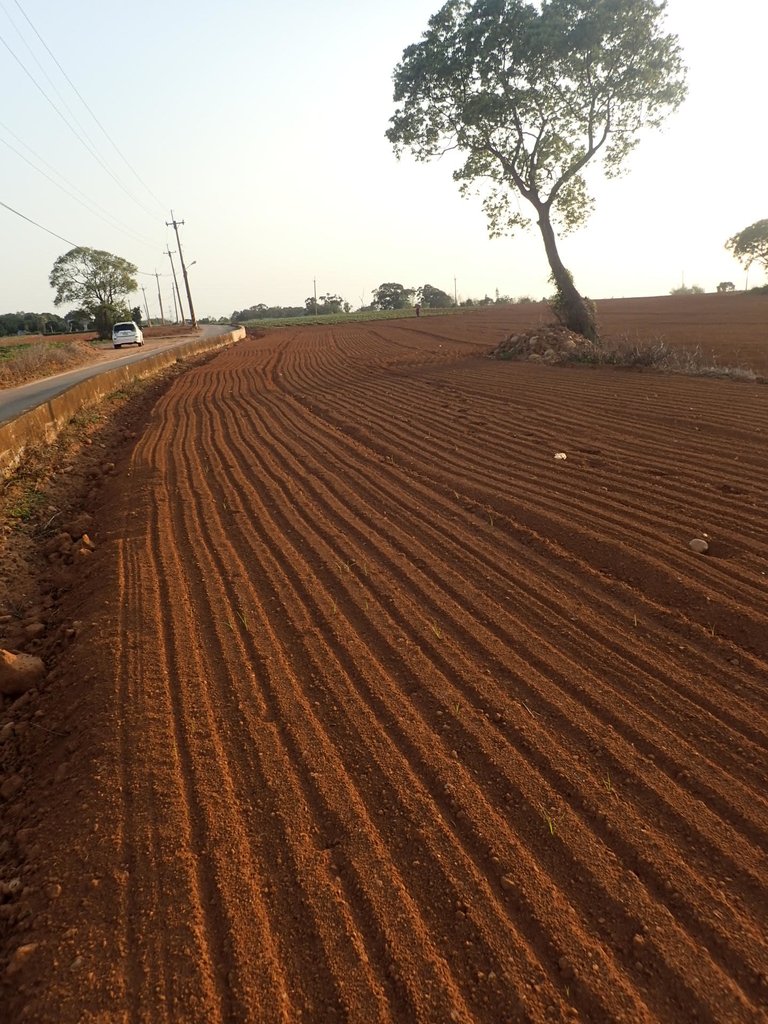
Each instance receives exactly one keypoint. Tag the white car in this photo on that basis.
(127, 334)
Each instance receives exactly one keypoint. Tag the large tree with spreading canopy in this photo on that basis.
(528, 94)
(97, 281)
(751, 245)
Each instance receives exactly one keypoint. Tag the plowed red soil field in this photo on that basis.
(381, 713)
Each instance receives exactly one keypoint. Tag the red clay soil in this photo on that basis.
(728, 329)
(380, 713)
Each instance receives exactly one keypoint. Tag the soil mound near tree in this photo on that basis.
(550, 343)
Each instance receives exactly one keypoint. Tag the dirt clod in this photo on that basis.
(19, 672)
(20, 958)
(11, 786)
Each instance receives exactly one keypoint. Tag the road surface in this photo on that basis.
(15, 401)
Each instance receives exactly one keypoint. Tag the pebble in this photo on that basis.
(19, 672)
(698, 545)
(20, 957)
(566, 967)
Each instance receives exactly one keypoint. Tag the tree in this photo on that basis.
(11, 323)
(726, 286)
(392, 296)
(325, 304)
(434, 298)
(264, 312)
(78, 319)
(694, 289)
(529, 96)
(98, 281)
(54, 324)
(751, 245)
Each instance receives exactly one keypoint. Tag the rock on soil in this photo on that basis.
(19, 672)
(698, 545)
(547, 344)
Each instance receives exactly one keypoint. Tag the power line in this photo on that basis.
(74, 131)
(75, 245)
(42, 228)
(87, 107)
(45, 74)
(85, 203)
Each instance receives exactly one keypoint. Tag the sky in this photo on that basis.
(261, 125)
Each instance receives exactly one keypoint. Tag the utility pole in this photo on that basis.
(455, 294)
(159, 298)
(175, 307)
(175, 224)
(146, 307)
(314, 283)
(169, 253)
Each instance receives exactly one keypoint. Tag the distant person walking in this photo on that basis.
(417, 307)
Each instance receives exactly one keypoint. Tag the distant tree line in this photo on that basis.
(391, 295)
(263, 312)
(684, 289)
(43, 323)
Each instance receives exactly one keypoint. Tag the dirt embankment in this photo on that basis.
(374, 710)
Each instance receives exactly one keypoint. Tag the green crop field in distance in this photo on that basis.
(348, 318)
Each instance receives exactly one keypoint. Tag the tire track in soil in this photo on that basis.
(413, 726)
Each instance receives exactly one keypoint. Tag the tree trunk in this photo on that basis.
(573, 311)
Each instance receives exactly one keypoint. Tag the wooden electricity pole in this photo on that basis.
(146, 306)
(159, 298)
(175, 224)
(169, 253)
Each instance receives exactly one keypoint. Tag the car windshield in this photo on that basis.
(123, 327)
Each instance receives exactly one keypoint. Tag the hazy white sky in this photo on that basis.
(262, 124)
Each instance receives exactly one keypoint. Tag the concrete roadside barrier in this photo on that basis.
(41, 424)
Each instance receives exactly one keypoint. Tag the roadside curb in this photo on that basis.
(41, 424)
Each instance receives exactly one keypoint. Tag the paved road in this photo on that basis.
(15, 401)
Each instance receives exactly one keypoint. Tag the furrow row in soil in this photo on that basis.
(404, 720)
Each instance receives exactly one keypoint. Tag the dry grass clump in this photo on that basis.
(658, 355)
(555, 344)
(33, 360)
